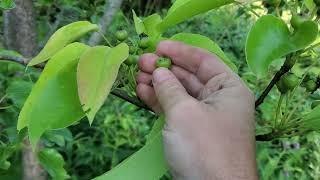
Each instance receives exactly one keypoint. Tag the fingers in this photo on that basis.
(147, 95)
(198, 61)
(147, 62)
(144, 78)
(188, 80)
(168, 89)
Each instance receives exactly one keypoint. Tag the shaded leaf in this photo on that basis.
(97, 71)
(311, 121)
(18, 92)
(52, 161)
(182, 11)
(54, 101)
(200, 41)
(148, 163)
(62, 37)
(270, 39)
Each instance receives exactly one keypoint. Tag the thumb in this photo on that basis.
(168, 89)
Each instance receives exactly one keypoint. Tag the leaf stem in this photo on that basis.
(105, 38)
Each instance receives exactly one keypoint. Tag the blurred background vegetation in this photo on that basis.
(120, 128)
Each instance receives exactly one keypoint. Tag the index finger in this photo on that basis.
(202, 63)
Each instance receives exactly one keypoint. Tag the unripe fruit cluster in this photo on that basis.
(143, 44)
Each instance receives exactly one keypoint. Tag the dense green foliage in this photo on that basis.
(119, 129)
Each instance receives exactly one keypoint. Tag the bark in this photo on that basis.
(112, 6)
(20, 35)
(20, 28)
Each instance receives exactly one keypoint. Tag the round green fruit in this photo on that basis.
(310, 85)
(287, 83)
(122, 35)
(132, 60)
(144, 43)
(164, 62)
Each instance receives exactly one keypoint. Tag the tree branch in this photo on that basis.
(111, 8)
(116, 92)
(288, 64)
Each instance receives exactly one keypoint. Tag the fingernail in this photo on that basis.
(161, 74)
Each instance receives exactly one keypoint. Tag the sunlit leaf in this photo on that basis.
(148, 163)
(97, 71)
(205, 43)
(150, 24)
(182, 11)
(138, 23)
(310, 4)
(64, 36)
(52, 161)
(54, 102)
(270, 39)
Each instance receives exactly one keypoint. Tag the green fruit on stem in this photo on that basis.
(164, 62)
(310, 86)
(144, 43)
(296, 21)
(122, 35)
(315, 104)
(132, 60)
(287, 83)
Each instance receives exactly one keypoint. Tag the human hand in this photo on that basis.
(209, 131)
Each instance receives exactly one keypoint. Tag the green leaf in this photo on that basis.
(310, 4)
(311, 121)
(63, 37)
(138, 23)
(54, 102)
(182, 11)
(148, 163)
(270, 39)
(5, 153)
(18, 91)
(97, 71)
(150, 24)
(200, 41)
(53, 162)
(7, 4)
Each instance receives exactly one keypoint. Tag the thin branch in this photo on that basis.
(116, 92)
(16, 59)
(284, 69)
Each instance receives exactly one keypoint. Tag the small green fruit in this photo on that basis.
(287, 83)
(310, 86)
(144, 43)
(132, 60)
(164, 62)
(122, 35)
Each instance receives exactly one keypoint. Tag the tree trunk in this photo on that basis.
(111, 8)
(20, 28)
(20, 35)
